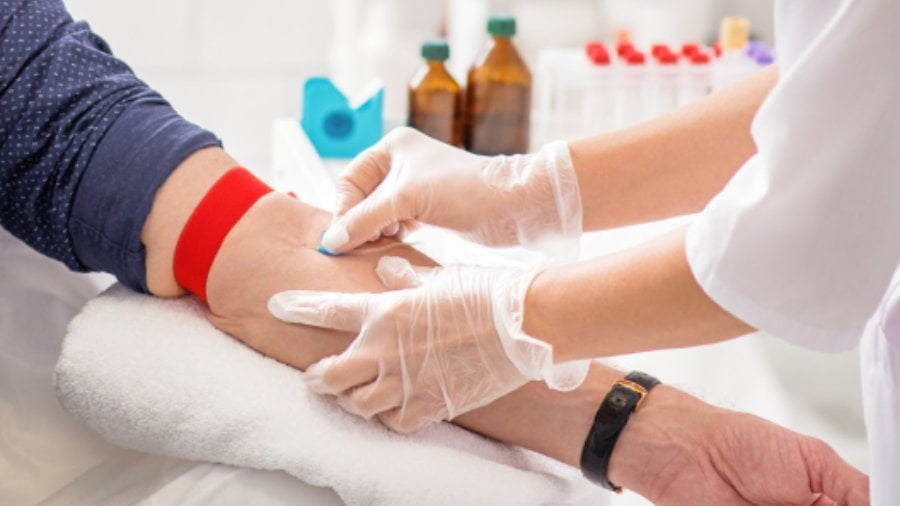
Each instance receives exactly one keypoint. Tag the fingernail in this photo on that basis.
(314, 383)
(395, 272)
(277, 307)
(391, 230)
(335, 237)
(391, 264)
(295, 307)
(325, 251)
(314, 377)
(346, 403)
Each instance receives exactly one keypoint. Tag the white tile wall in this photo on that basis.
(228, 65)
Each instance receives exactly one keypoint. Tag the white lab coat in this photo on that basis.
(804, 241)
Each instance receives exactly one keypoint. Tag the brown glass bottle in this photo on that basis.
(435, 98)
(498, 95)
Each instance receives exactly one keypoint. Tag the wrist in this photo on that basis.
(669, 430)
(552, 214)
(533, 200)
(546, 421)
(277, 227)
(540, 315)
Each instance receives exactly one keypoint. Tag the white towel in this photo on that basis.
(154, 375)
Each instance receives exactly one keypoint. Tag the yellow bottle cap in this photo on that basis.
(734, 32)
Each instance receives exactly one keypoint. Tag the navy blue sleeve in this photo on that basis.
(84, 144)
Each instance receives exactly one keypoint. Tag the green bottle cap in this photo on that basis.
(501, 26)
(435, 49)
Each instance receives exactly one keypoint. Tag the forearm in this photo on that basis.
(556, 424)
(641, 299)
(271, 249)
(547, 421)
(671, 165)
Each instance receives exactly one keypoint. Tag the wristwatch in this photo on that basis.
(623, 398)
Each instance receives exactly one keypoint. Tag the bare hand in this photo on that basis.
(678, 450)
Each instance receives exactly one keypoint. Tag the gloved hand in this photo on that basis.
(410, 178)
(446, 341)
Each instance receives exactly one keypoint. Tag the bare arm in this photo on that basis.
(641, 299)
(647, 298)
(670, 165)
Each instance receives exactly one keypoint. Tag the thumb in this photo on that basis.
(363, 221)
(838, 481)
(363, 175)
(396, 273)
(331, 310)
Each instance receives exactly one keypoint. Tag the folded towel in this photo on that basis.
(154, 375)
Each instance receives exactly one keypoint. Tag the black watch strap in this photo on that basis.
(623, 398)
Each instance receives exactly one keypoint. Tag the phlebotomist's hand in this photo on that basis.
(410, 178)
(443, 342)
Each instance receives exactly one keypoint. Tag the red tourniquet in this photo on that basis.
(222, 206)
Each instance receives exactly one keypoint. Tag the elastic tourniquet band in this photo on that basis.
(221, 208)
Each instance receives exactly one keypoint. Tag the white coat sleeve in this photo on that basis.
(803, 241)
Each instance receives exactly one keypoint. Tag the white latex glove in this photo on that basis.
(410, 178)
(446, 341)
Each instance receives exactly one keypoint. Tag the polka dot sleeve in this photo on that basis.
(84, 144)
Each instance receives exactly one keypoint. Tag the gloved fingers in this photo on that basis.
(364, 173)
(391, 230)
(367, 401)
(332, 310)
(364, 221)
(337, 374)
(413, 415)
(347, 195)
(396, 273)
(388, 231)
(407, 227)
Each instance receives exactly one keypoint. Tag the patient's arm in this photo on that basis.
(674, 450)
(272, 249)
